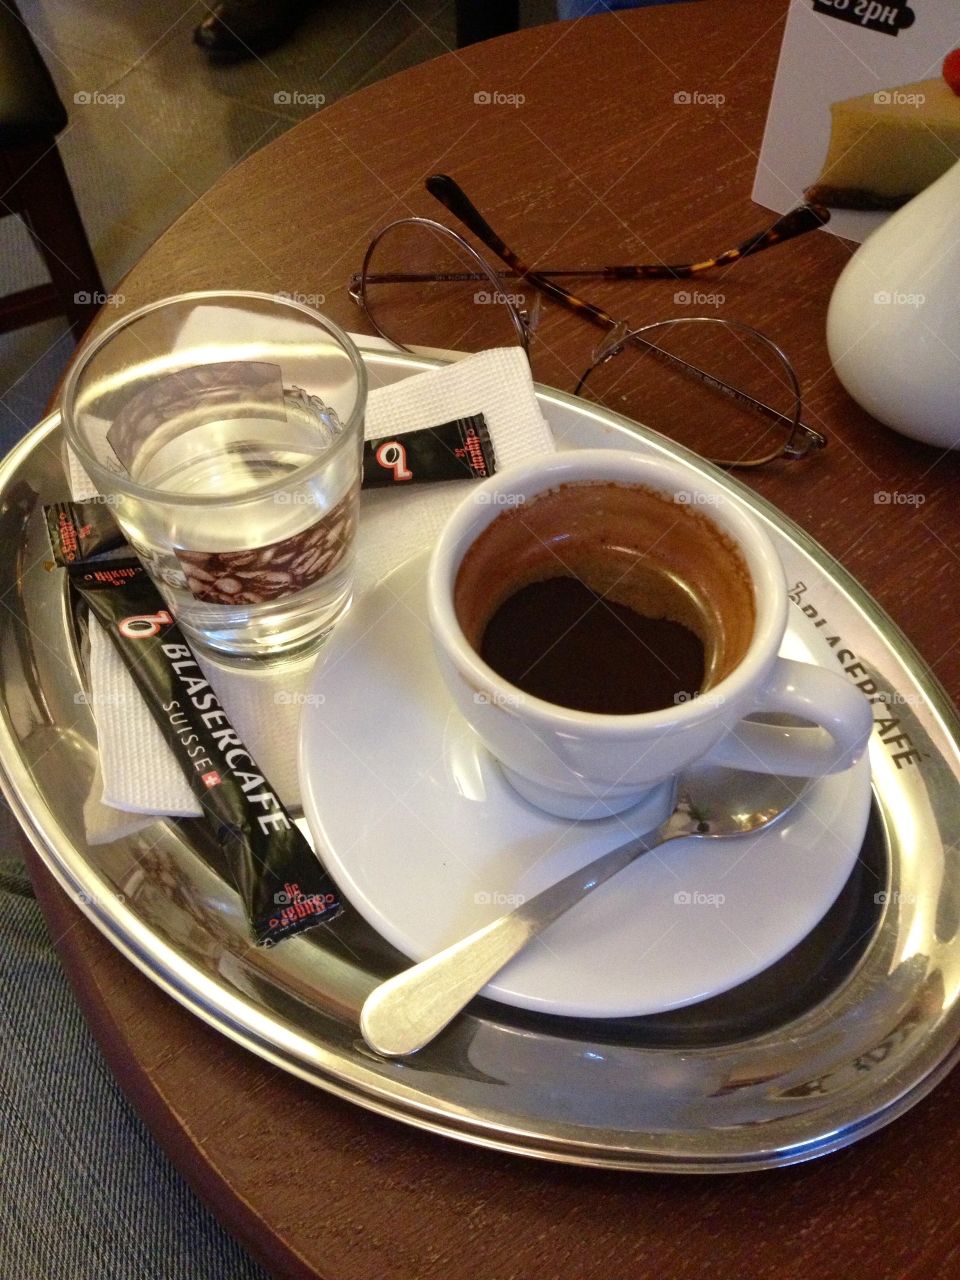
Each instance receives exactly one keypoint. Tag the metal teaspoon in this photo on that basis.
(407, 1011)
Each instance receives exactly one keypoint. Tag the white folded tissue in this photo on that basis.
(138, 773)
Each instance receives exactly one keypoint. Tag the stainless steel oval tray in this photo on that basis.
(838, 1038)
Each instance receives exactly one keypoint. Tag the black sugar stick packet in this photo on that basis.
(282, 884)
(457, 450)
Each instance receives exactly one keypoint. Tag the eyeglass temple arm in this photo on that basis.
(450, 195)
(797, 222)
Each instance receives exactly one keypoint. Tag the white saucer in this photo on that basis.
(429, 842)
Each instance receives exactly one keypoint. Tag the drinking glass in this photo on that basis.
(225, 430)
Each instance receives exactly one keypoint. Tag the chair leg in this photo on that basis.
(44, 199)
(484, 19)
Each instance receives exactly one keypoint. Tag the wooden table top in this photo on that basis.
(598, 162)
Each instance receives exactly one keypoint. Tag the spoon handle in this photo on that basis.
(404, 1013)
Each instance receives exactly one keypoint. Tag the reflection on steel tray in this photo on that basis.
(835, 1040)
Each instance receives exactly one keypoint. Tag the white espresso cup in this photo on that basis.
(584, 764)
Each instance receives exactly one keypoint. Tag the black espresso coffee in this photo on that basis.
(608, 598)
(562, 642)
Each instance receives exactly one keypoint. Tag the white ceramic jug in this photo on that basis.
(893, 326)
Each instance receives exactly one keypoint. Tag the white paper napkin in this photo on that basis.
(138, 773)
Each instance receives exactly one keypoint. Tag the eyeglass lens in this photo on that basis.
(465, 314)
(720, 390)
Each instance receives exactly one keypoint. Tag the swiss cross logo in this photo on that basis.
(211, 779)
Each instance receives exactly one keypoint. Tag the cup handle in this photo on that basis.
(842, 713)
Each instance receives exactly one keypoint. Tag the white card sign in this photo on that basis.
(860, 106)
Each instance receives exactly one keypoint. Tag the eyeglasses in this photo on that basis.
(718, 386)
